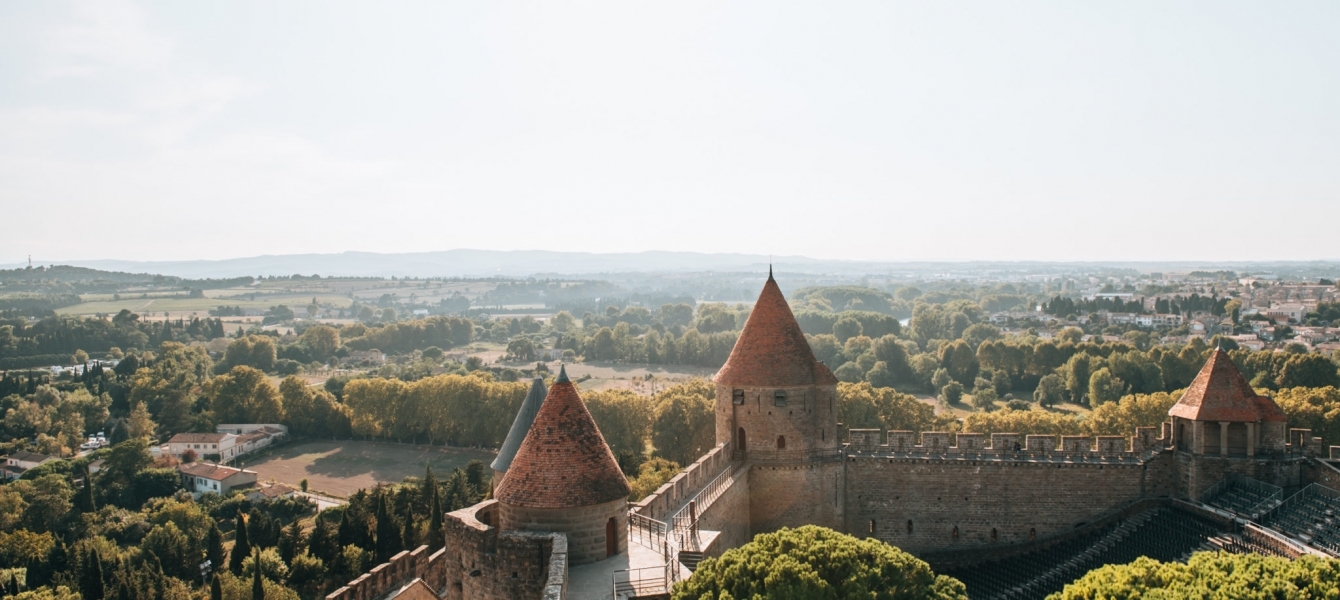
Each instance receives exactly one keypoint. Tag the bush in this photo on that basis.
(285, 366)
(1210, 575)
(816, 562)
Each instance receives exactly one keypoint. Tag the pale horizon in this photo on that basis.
(1054, 132)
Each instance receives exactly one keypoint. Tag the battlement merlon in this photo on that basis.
(1004, 445)
(875, 441)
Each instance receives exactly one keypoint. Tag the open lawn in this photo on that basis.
(341, 468)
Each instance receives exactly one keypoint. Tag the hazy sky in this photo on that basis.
(863, 130)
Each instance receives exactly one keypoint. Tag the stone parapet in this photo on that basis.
(1006, 445)
(404, 567)
(482, 562)
(674, 493)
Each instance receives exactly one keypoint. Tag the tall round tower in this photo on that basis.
(776, 406)
(564, 479)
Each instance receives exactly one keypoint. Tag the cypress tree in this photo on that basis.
(388, 535)
(3, 590)
(83, 502)
(214, 546)
(409, 536)
(90, 581)
(436, 535)
(257, 585)
(13, 583)
(123, 591)
(241, 547)
(290, 544)
(215, 588)
(428, 490)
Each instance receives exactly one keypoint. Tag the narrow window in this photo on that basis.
(993, 534)
(954, 534)
(779, 398)
(781, 442)
(909, 527)
(1032, 534)
(872, 526)
(737, 397)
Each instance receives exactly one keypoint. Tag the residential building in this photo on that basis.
(220, 445)
(18, 462)
(200, 477)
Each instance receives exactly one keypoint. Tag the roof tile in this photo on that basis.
(771, 350)
(1221, 393)
(563, 462)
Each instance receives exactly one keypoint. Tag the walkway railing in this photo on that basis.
(640, 582)
(648, 532)
(685, 520)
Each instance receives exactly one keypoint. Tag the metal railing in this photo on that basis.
(646, 581)
(648, 532)
(686, 518)
(1315, 490)
(1271, 495)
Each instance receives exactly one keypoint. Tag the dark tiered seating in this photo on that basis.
(1164, 534)
(1312, 515)
(1245, 497)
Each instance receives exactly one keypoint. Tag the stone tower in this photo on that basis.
(1220, 425)
(524, 417)
(775, 406)
(564, 479)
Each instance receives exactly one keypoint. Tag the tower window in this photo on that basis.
(909, 527)
(779, 398)
(872, 526)
(993, 534)
(737, 397)
(781, 442)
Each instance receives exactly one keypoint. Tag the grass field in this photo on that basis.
(343, 467)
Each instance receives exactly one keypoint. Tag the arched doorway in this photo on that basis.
(739, 439)
(611, 538)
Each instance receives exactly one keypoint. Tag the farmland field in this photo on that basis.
(343, 467)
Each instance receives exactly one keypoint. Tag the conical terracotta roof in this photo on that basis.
(1221, 393)
(772, 351)
(520, 426)
(563, 461)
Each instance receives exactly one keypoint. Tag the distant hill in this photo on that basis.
(525, 263)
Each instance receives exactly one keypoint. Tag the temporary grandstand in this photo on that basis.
(1168, 532)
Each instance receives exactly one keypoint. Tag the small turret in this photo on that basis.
(564, 479)
(524, 417)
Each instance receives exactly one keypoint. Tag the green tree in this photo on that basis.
(1050, 390)
(1105, 387)
(241, 545)
(389, 537)
(815, 562)
(1210, 575)
(624, 419)
(1308, 370)
(214, 552)
(846, 328)
(244, 395)
(90, 579)
(960, 360)
(951, 393)
(683, 422)
(651, 476)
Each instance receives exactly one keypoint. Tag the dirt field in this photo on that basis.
(342, 468)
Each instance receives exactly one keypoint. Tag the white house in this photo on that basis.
(223, 445)
(18, 462)
(199, 478)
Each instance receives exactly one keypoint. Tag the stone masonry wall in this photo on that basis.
(401, 569)
(791, 495)
(729, 514)
(922, 505)
(584, 527)
(482, 563)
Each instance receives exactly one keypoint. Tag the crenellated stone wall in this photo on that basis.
(403, 568)
(483, 563)
(674, 493)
